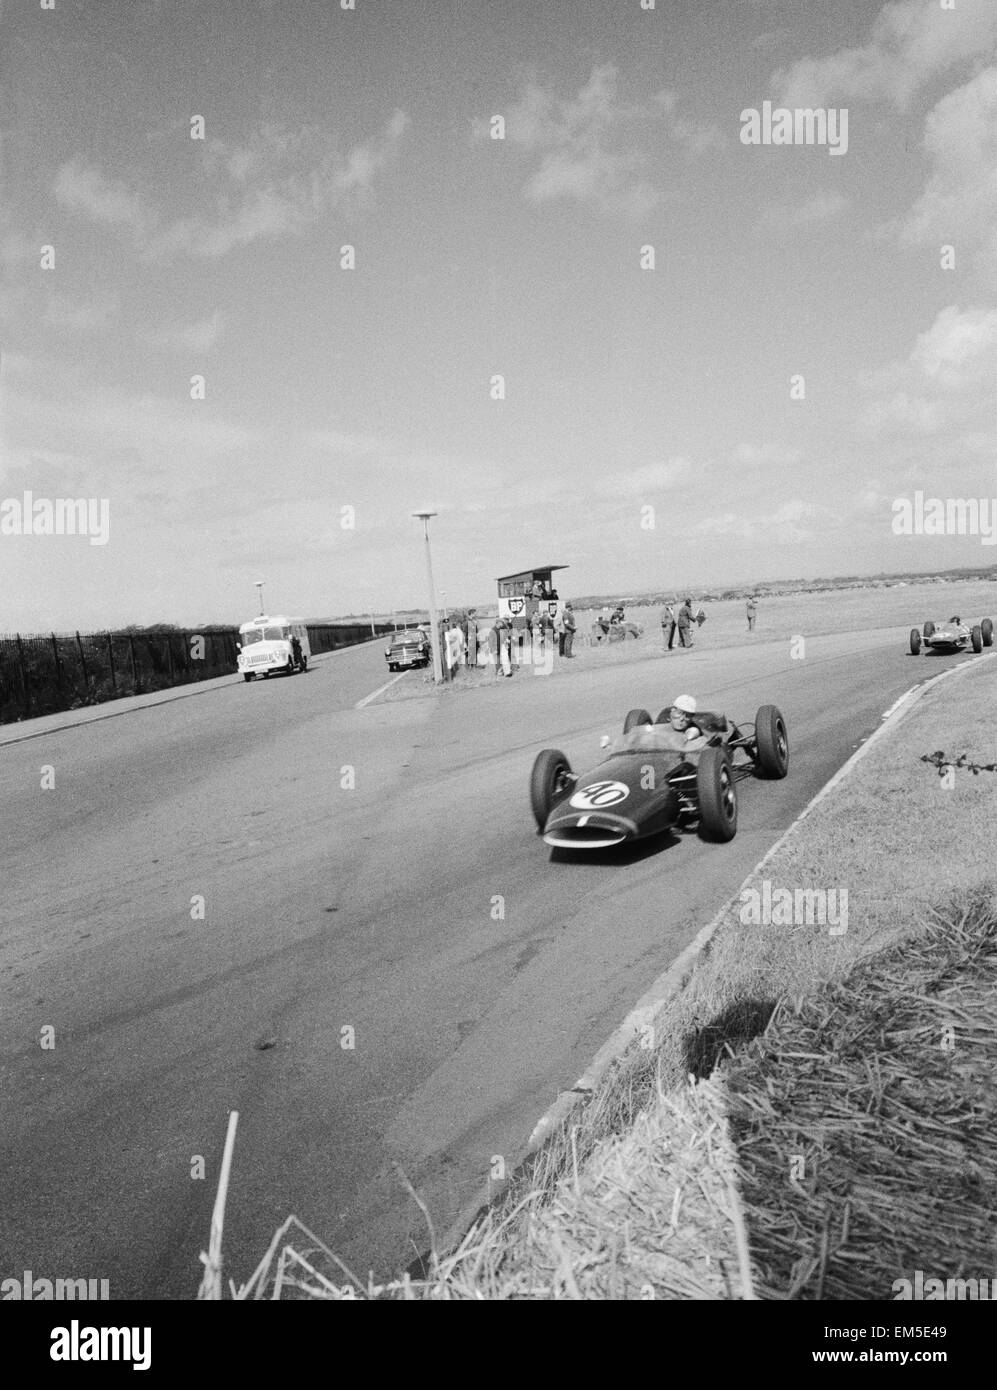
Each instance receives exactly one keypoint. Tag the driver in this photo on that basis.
(681, 730)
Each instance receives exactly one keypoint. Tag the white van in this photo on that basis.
(265, 645)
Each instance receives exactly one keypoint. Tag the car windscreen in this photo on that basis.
(649, 738)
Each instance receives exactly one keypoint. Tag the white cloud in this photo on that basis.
(70, 316)
(645, 481)
(959, 204)
(944, 383)
(85, 190)
(588, 145)
(957, 351)
(764, 455)
(103, 419)
(199, 337)
(793, 522)
(820, 207)
(342, 442)
(276, 185)
(912, 42)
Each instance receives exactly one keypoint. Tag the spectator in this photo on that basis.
(752, 609)
(569, 630)
(560, 629)
(685, 622)
(667, 627)
(455, 647)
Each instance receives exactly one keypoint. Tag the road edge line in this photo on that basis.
(379, 691)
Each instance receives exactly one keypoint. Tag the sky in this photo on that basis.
(182, 341)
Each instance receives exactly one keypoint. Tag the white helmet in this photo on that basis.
(686, 703)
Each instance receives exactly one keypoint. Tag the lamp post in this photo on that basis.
(259, 593)
(434, 626)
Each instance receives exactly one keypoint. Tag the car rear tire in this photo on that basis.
(249, 677)
(771, 742)
(977, 639)
(928, 630)
(635, 718)
(915, 642)
(548, 780)
(717, 796)
(987, 629)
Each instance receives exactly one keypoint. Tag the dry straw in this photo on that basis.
(865, 1120)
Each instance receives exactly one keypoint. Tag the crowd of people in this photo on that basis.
(531, 635)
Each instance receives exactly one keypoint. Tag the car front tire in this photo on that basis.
(548, 780)
(771, 742)
(717, 796)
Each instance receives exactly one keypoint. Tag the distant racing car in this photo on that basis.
(953, 636)
(646, 784)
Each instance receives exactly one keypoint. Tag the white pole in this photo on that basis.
(434, 625)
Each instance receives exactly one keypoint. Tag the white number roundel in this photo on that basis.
(598, 795)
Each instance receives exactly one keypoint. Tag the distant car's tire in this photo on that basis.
(635, 718)
(915, 642)
(392, 666)
(987, 629)
(289, 668)
(928, 630)
(717, 796)
(548, 780)
(977, 639)
(249, 677)
(772, 742)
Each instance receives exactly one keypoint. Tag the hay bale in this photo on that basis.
(865, 1120)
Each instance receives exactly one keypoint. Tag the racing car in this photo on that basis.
(953, 636)
(646, 785)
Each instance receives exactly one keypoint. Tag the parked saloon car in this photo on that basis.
(953, 636)
(408, 648)
(646, 785)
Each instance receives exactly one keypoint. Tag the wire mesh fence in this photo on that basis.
(61, 671)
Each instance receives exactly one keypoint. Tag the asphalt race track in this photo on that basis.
(329, 908)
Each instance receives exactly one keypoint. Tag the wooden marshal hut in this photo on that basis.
(520, 595)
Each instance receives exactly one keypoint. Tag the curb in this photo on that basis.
(673, 980)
